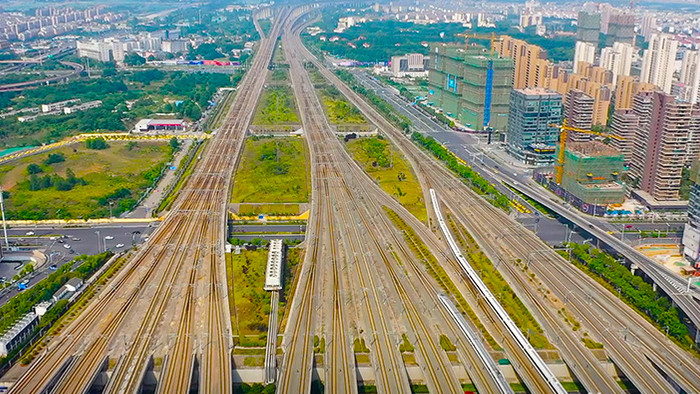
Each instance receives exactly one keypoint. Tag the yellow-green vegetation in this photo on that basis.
(338, 108)
(294, 256)
(78, 182)
(405, 346)
(438, 273)
(252, 361)
(279, 75)
(591, 344)
(272, 170)
(446, 344)
(388, 167)
(276, 107)
(359, 346)
(499, 287)
(270, 209)
(278, 56)
(319, 345)
(249, 303)
(317, 78)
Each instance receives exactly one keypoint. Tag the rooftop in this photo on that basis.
(537, 92)
(592, 148)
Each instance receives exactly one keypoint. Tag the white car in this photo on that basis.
(66, 246)
(30, 233)
(109, 237)
(120, 245)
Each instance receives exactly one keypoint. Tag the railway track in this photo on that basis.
(193, 231)
(345, 198)
(532, 379)
(455, 191)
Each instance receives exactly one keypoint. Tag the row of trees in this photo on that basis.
(382, 106)
(47, 181)
(633, 289)
(23, 302)
(473, 178)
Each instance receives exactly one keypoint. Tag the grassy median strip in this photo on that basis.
(500, 288)
(272, 170)
(438, 273)
(276, 107)
(250, 303)
(387, 166)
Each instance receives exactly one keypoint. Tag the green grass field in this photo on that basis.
(276, 107)
(250, 303)
(338, 108)
(387, 166)
(272, 170)
(107, 173)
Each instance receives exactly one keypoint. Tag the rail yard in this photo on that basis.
(373, 279)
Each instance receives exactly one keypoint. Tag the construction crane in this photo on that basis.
(565, 129)
(491, 37)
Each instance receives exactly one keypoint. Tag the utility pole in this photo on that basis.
(4, 222)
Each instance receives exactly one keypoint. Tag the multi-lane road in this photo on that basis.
(169, 302)
(622, 330)
(364, 281)
(469, 147)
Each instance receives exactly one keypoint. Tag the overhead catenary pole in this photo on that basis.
(4, 222)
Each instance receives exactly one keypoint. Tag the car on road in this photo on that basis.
(66, 246)
(29, 233)
(120, 245)
(109, 237)
(76, 239)
(53, 267)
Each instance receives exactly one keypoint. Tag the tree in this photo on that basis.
(96, 143)
(134, 59)
(54, 158)
(174, 144)
(34, 169)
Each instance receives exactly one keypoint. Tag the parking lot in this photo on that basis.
(62, 245)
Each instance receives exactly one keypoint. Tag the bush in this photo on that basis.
(54, 158)
(98, 143)
(34, 168)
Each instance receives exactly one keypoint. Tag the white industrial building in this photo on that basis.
(148, 125)
(275, 266)
(18, 333)
(67, 290)
(412, 64)
(82, 107)
(58, 105)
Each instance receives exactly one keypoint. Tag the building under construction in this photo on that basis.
(592, 172)
(471, 85)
